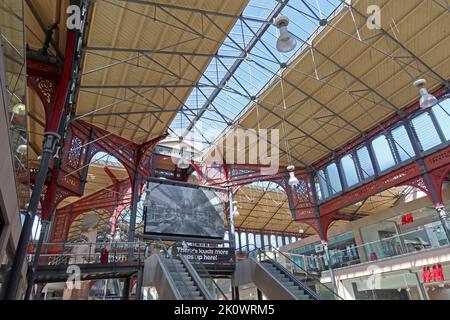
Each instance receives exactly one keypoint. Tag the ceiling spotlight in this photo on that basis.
(293, 181)
(427, 100)
(301, 231)
(19, 109)
(286, 41)
(22, 149)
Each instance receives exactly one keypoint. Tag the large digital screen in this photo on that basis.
(173, 210)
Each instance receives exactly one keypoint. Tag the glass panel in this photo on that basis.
(258, 240)
(402, 143)
(323, 184)
(243, 241)
(383, 153)
(350, 174)
(287, 240)
(395, 285)
(279, 241)
(251, 241)
(273, 241)
(425, 131)
(333, 177)
(266, 240)
(293, 239)
(364, 162)
(14, 55)
(442, 114)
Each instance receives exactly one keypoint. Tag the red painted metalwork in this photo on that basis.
(438, 166)
(109, 199)
(85, 140)
(377, 129)
(44, 78)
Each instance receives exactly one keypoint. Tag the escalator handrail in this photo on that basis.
(309, 275)
(195, 262)
(196, 278)
(169, 255)
(169, 278)
(300, 267)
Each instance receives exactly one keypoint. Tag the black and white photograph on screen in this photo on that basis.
(182, 210)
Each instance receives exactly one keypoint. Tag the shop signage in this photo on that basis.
(407, 218)
(432, 273)
(206, 255)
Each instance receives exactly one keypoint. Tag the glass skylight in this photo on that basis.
(238, 75)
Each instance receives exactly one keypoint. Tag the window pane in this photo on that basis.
(279, 241)
(323, 184)
(333, 176)
(273, 241)
(425, 131)
(226, 238)
(258, 240)
(350, 174)
(442, 114)
(364, 162)
(266, 240)
(251, 241)
(383, 153)
(236, 240)
(293, 239)
(243, 241)
(287, 240)
(402, 143)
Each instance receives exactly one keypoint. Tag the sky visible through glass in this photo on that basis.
(254, 72)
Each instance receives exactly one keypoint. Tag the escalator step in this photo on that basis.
(303, 297)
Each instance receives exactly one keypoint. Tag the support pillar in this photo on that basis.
(31, 272)
(259, 294)
(236, 293)
(132, 231)
(139, 284)
(322, 232)
(444, 216)
(50, 140)
(440, 209)
(126, 289)
(231, 228)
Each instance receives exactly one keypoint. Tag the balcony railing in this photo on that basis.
(83, 253)
(414, 241)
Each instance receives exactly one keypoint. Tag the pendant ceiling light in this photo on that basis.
(147, 202)
(19, 109)
(293, 181)
(235, 209)
(183, 163)
(22, 149)
(286, 41)
(427, 100)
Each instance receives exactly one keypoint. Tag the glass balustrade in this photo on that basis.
(414, 241)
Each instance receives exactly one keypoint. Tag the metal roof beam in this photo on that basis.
(278, 8)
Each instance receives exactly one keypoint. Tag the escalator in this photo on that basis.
(174, 278)
(277, 283)
(271, 272)
(186, 279)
